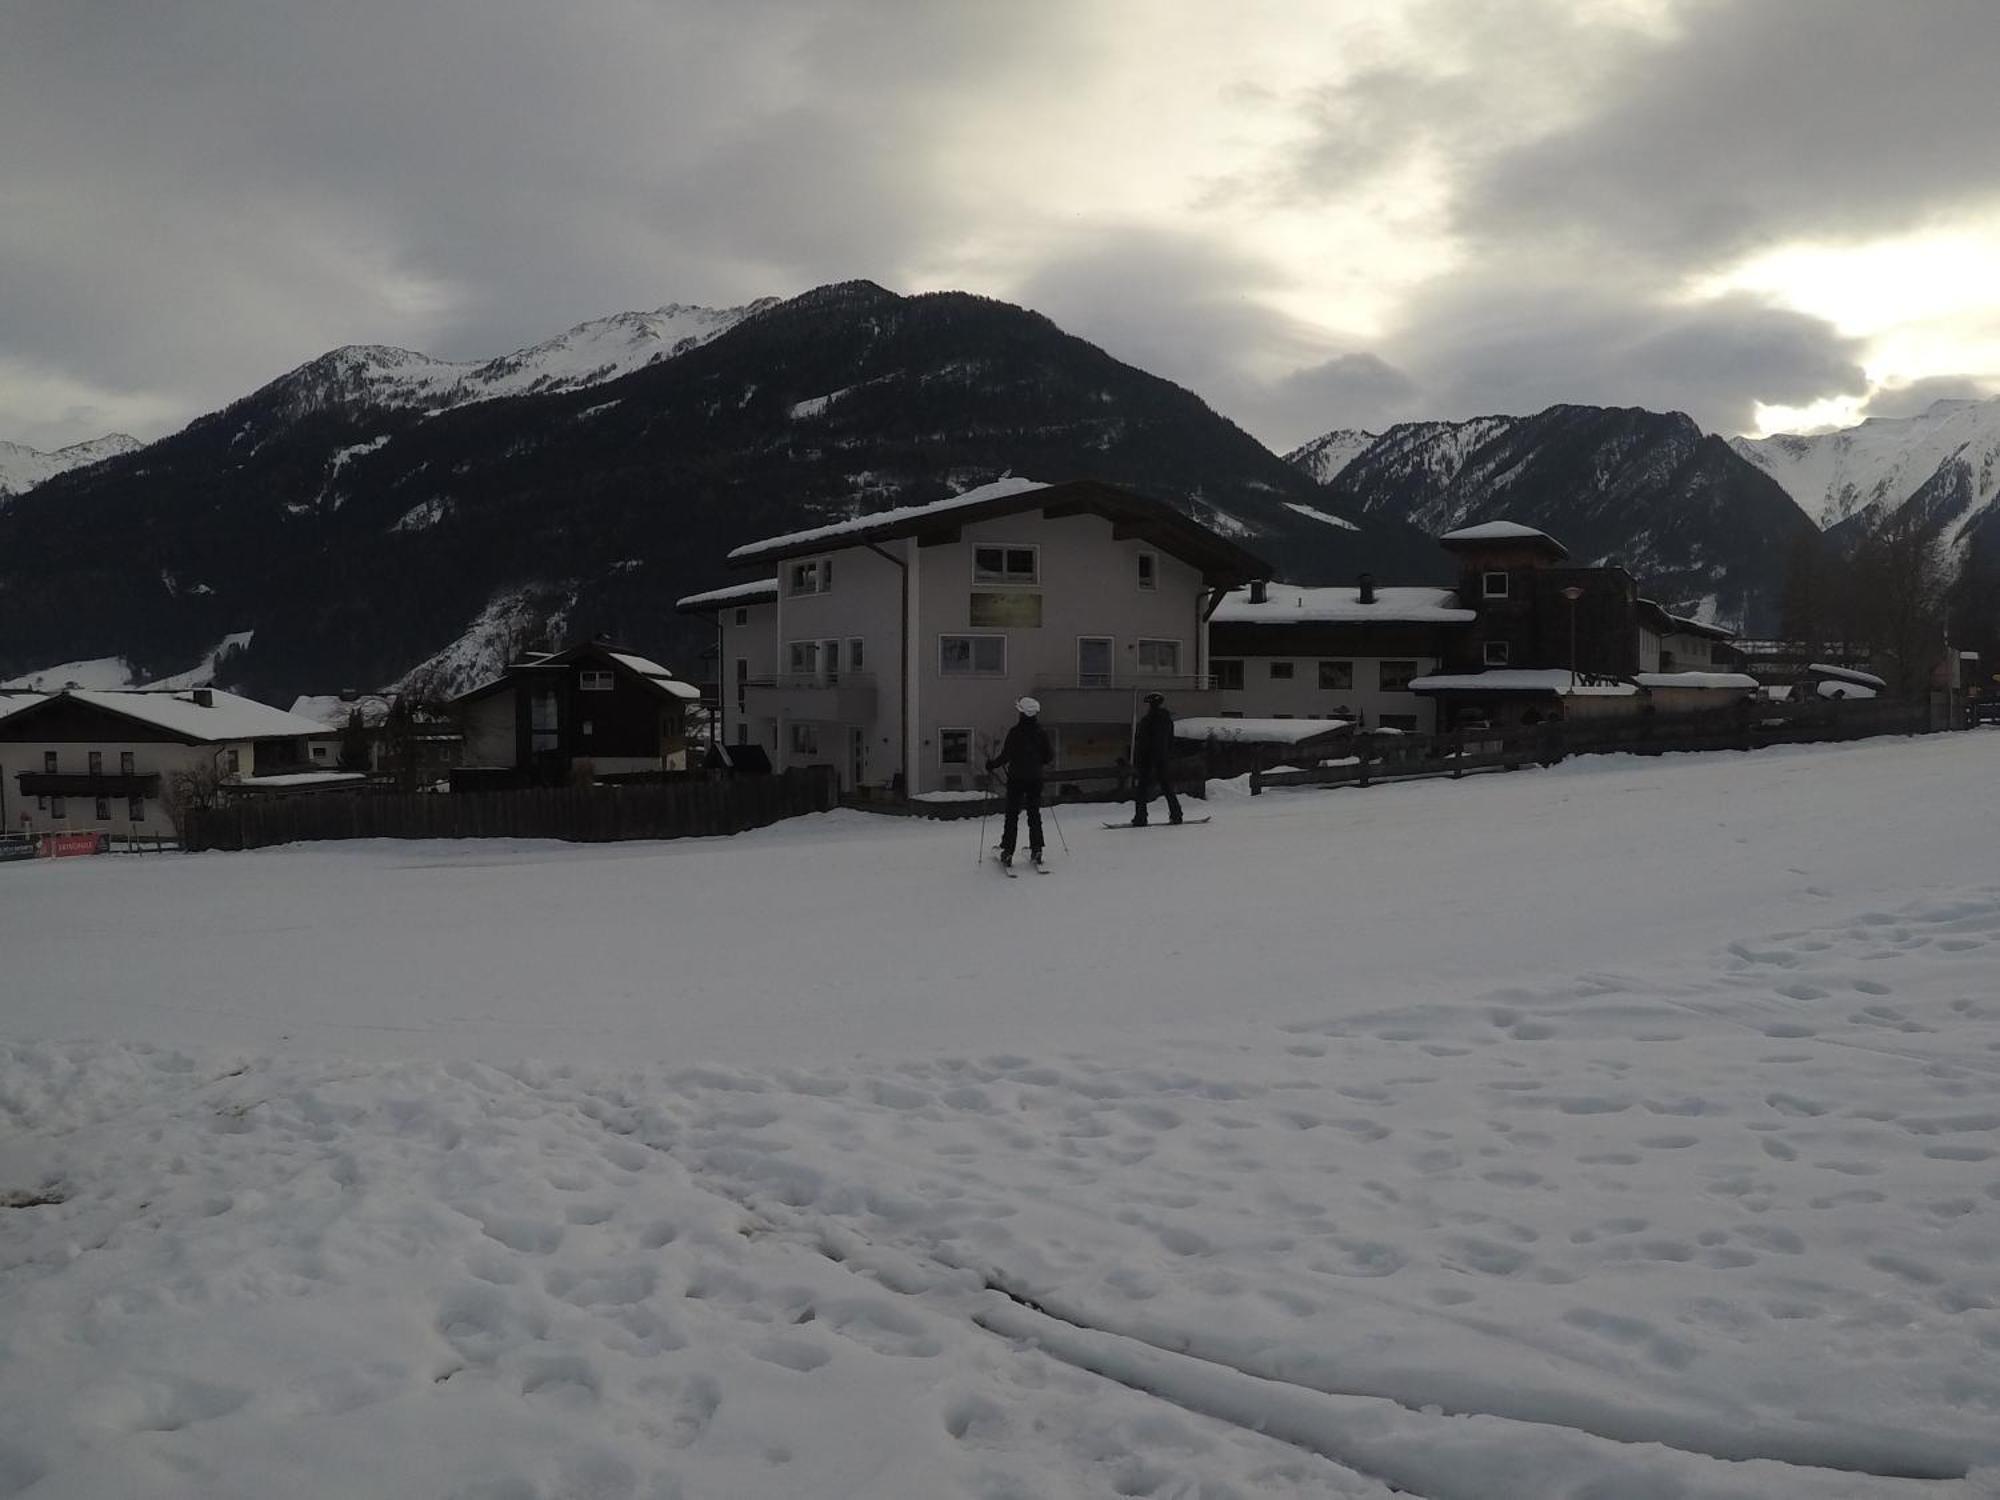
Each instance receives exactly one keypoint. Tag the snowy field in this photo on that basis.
(1627, 1131)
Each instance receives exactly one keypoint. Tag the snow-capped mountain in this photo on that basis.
(589, 354)
(1703, 530)
(22, 468)
(1947, 458)
(1325, 456)
(374, 513)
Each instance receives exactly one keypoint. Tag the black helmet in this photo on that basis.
(1155, 698)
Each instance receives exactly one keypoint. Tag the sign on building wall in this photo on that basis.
(1015, 610)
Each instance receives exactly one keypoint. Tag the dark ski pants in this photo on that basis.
(1022, 795)
(1149, 776)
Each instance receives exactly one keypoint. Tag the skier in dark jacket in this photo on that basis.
(1026, 753)
(1152, 760)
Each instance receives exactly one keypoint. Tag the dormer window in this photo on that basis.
(596, 681)
(1496, 653)
(815, 577)
(1493, 585)
(1149, 570)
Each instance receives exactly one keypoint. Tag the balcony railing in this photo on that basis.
(845, 698)
(82, 784)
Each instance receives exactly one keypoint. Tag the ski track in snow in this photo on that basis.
(1724, 1223)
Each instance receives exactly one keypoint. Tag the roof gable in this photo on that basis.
(1221, 562)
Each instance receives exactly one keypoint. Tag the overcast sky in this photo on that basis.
(1315, 213)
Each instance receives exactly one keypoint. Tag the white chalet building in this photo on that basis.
(892, 646)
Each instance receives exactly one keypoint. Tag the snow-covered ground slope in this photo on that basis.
(1622, 1130)
(1326, 455)
(1951, 451)
(22, 467)
(588, 354)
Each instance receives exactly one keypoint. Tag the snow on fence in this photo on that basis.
(722, 804)
(1745, 726)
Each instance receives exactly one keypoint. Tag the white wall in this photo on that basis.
(79, 815)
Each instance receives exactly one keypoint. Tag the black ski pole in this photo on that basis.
(1059, 833)
(985, 812)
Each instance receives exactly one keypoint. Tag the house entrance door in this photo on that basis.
(857, 757)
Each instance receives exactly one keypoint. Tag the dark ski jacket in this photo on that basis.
(1153, 745)
(1025, 753)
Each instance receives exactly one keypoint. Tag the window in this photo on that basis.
(742, 682)
(954, 747)
(1493, 585)
(234, 762)
(802, 658)
(1337, 676)
(815, 577)
(805, 739)
(742, 617)
(1149, 570)
(41, 804)
(126, 764)
(97, 762)
(829, 660)
(1281, 671)
(586, 728)
(596, 681)
(1006, 564)
(1160, 658)
(972, 655)
(103, 809)
(318, 753)
(1396, 675)
(544, 726)
(1094, 661)
(48, 763)
(1228, 674)
(1496, 653)
(1404, 722)
(135, 809)
(854, 655)
(58, 808)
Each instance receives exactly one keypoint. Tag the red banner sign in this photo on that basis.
(60, 845)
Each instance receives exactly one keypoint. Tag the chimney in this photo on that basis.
(1367, 583)
(350, 695)
(1257, 591)
(203, 697)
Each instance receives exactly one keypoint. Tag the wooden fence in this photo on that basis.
(1747, 726)
(720, 804)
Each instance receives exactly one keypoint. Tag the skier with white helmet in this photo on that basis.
(1026, 753)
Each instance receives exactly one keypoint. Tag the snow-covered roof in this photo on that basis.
(1696, 680)
(740, 593)
(1688, 625)
(1845, 689)
(1501, 531)
(225, 717)
(656, 674)
(1256, 731)
(901, 515)
(1848, 674)
(1292, 604)
(1556, 680)
(13, 703)
(299, 779)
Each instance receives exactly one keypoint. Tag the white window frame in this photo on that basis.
(804, 737)
(945, 760)
(597, 680)
(1005, 575)
(829, 660)
(1496, 653)
(808, 575)
(856, 656)
(810, 650)
(1149, 570)
(1486, 584)
(972, 670)
(1139, 654)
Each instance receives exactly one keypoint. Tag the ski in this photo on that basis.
(1184, 823)
(1006, 869)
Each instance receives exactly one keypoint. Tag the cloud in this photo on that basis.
(1914, 397)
